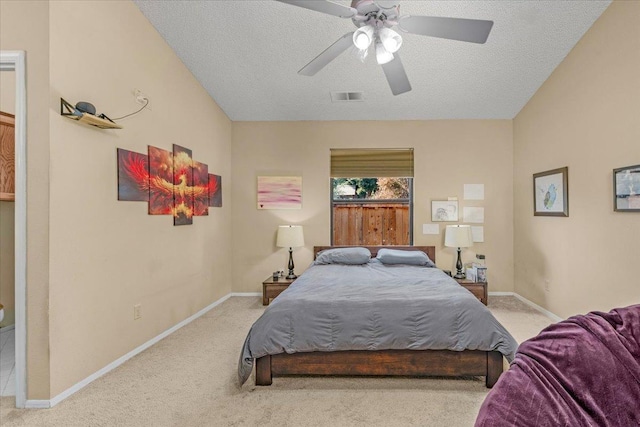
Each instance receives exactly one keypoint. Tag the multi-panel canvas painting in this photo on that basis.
(172, 182)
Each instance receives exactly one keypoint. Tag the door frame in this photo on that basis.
(15, 61)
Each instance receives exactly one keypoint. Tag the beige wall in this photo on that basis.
(24, 25)
(7, 209)
(448, 154)
(107, 255)
(586, 117)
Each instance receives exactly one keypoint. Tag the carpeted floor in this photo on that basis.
(189, 379)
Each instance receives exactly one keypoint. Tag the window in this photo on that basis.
(371, 197)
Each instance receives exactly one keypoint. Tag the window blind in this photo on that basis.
(366, 163)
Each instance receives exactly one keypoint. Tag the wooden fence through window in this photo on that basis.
(371, 224)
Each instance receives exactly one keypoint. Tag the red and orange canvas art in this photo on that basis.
(215, 191)
(160, 181)
(182, 186)
(133, 176)
(200, 189)
(172, 182)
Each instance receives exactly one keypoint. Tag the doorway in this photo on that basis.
(7, 233)
(15, 61)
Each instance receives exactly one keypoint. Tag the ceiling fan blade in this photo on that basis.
(329, 54)
(396, 76)
(323, 6)
(466, 30)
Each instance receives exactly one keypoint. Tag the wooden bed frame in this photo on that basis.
(382, 362)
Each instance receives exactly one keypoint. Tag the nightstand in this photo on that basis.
(272, 288)
(478, 289)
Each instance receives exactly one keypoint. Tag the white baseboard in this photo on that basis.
(544, 311)
(246, 294)
(531, 304)
(37, 404)
(41, 404)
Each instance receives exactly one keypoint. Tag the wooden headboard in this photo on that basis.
(429, 250)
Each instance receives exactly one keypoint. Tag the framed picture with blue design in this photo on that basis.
(626, 189)
(551, 193)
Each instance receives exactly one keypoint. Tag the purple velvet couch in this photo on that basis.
(584, 371)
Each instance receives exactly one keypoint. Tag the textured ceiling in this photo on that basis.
(246, 54)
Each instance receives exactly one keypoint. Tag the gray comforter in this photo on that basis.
(373, 307)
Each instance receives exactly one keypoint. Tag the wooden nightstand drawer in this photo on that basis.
(272, 288)
(476, 288)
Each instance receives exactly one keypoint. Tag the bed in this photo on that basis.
(376, 319)
(583, 371)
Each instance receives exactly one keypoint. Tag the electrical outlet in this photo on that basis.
(137, 311)
(141, 98)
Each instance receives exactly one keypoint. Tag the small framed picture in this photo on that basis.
(626, 189)
(551, 193)
(481, 274)
(444, 210)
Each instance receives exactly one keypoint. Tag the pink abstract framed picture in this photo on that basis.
(279, 192)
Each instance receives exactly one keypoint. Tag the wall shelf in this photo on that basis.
(69, 111)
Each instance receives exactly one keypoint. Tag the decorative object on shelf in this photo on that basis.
(290, 236)
(626, 189)
(551, 193)
(458, 236)
(279, 192)
(172, 183)
(444, 210)
(83, 115)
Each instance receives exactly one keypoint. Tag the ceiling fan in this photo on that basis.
(375, 19)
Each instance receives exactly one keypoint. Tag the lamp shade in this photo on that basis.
(383, 56)
(458, 236)
(363, 37)
(290, 236)
(390, 39)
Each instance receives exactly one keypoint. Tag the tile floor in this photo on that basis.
(7, 363)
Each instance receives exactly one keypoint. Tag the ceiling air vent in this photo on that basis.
(347, 96)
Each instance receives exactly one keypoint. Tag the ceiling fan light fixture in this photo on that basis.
(390, 39)
(383, 56)
(363, 37)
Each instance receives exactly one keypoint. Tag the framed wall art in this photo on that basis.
(551, 193)
(626, 189)
(444, 210)
(279, 192)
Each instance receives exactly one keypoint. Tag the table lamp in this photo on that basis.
(458, 236)
(290, 236)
